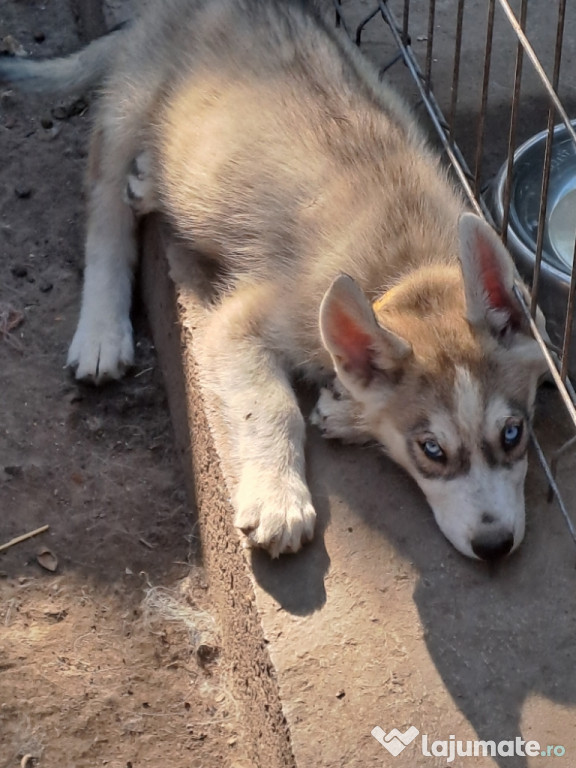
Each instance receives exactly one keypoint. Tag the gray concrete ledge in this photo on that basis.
(254, 682)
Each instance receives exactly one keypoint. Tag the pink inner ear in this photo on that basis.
(491, 276)
(351, 341)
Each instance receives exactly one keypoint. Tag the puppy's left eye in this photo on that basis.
(511, 435)
(433, 451)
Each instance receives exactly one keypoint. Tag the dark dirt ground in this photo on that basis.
(98, 662)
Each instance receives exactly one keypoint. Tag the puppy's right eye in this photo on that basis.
(433, 451)
(511, 435)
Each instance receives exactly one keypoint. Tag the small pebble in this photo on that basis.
(46, 286)
(65, 111)
(19, 270)
(23, 192)
(46, 123)
(206, 653)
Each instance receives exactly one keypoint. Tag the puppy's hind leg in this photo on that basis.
(273, 504)
(102, 347)
(139, 191)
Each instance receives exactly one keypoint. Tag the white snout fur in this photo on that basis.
(460, 504)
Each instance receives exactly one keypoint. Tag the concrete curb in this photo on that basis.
(254, 682)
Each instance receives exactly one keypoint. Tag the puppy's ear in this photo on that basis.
(360, 348)
(489, 274)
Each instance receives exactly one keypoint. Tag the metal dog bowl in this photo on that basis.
(560, 225)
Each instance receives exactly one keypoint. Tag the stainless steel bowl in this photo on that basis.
(560, 225)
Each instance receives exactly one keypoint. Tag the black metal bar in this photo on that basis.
(484, 98)
(406, 23)
(385, 67)
(456, 69)
(513, 125)
(361, 26)
(430, 45)
(338, 12)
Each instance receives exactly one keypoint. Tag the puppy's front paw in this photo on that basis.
(101, 351)
(336, 417)
(275, 513)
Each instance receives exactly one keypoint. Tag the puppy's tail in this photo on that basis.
(74, 73)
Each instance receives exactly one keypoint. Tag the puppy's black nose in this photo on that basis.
(493, 545)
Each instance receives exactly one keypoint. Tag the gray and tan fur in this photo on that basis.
(272, 147)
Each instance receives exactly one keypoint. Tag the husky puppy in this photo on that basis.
(270, 145)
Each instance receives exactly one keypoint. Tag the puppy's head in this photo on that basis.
(444, 371)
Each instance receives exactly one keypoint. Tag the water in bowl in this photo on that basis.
(562, 228)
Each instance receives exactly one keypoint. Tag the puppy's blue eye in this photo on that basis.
(511, 436)
(432, 450)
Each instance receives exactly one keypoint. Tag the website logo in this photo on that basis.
(395, 741)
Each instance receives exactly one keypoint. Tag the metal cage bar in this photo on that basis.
(484, 98)
(513, 124)
(456, 70)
